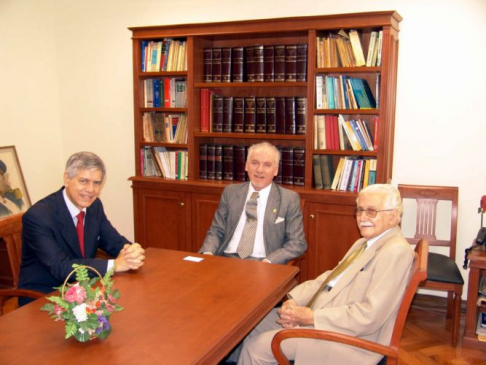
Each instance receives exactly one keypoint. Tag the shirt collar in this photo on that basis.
(73, 210)
(374, 239)
(263, 193)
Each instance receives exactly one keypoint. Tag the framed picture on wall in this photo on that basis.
(14, 197)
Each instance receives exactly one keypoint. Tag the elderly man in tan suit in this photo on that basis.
(360, 300)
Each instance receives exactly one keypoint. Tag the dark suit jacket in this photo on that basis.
(50, 243)
(282, 229)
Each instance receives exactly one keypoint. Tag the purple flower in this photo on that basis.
(103, 324)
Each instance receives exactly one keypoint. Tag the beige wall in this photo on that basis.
(66, 86)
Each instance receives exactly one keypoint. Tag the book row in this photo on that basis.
(165, 93)
(344, 92)
(250, 114)
(165, 55)
(164, 127)
(336, 133)
(159, 162)
(227, 162)
(345, 50)
(352, 173)
(258, 63)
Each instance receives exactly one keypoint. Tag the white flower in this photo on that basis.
(80, 312)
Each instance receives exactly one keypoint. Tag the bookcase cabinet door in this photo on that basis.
(203, 208)
(331, 230)
(162, 218)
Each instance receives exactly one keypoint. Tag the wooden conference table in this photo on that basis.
(176, 312)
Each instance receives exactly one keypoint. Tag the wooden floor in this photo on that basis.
(427, 336)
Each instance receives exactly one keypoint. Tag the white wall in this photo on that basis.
(68, 87)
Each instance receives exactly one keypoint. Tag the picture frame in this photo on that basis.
(14, 197)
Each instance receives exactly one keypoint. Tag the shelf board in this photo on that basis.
(348, 111)
(348, 70)
(164, 144)
(265, 136)
(167, 110)
(345, 153)
(150, 75)
(219, 85)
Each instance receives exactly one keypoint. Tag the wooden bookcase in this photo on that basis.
(177, 213)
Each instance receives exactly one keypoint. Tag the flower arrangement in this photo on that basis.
(84, 307)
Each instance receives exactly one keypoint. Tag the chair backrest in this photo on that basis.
(418, 274)
(11, 234)
(427, 198)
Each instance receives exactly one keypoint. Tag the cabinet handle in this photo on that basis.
(312, 216)
(182, 204)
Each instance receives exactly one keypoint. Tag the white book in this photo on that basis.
(380, 45)
(371, 49)
(321, 132)
(347, 169)
(319, 85)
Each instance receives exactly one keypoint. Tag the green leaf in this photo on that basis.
(116, 294)
(71, 329)
(47, 307)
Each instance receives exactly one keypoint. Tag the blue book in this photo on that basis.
(368, 94)
(359, 93)
(344, 86)
(156, 88)
(330, 92)
(144, 49)
(358, 135)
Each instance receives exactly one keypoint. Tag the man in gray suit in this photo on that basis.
(279, 233)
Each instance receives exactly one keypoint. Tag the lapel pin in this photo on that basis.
(275, 210)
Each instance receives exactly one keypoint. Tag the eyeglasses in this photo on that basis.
(370, 212)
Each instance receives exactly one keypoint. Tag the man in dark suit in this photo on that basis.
(51, 243)
(279, 233)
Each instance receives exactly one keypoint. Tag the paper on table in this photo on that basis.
(193, 258)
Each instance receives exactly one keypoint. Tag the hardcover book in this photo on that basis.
(279, 63)
(261, 115)
(217, 113)
(250, 114)
(290, 123)
(238, 64)
(288, 165)
(299, 166)
(228, 162)
(204, 110)
(316, 163)
(218, 162)
(208, 65)
(240, 160)
(291, 63)
(271, 116)
(327, 170)
(250, 73)
(258, 65)
(211, 161)
(301, 63)
(203, 161)
(238, 114)
(268, 61)
(227, 114)
(216, 69)
(226, 64)
(300, 114)
(278, 178)
(280, 114)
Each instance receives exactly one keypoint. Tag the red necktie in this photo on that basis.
(80, 230)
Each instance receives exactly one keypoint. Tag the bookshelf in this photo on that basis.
(176, 214)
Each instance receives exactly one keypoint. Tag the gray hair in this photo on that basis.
(84, 161)
(264, 146)
(391, 195)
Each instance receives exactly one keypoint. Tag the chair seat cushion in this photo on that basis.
(442, 268)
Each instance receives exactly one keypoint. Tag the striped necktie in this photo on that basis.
(247, 241)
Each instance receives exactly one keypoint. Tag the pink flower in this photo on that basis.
(76, 294)
(58, 312)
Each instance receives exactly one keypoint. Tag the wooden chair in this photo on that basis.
(443, 273)
(418, 274)
(11, 234)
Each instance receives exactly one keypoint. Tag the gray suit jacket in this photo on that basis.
(283, 229)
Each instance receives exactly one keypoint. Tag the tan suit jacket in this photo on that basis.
(364, 302)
